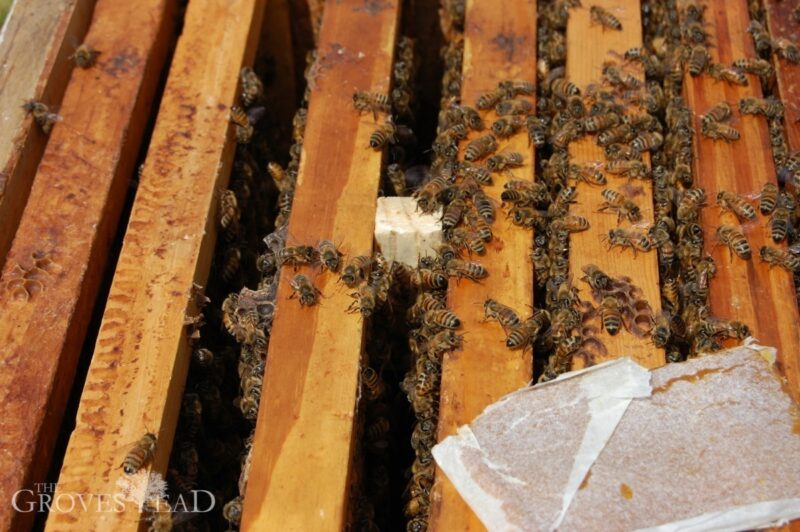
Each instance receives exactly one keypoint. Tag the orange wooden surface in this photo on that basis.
(299, 475)
(37, 39)
(588, 47)
(499, 44)
(781, 24)
(139, 367)
(748, 291)
(68, 224)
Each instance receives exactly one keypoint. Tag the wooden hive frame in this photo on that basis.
(35, 45)
(299, 478)
(139, 367)
(55, 264)
(748, 291)
(498, 45)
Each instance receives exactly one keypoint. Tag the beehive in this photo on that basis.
(137, 278)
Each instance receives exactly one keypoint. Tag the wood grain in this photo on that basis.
(35, 45)
(69, 222)
(781, 24)
(748, 291)
(304, 435)
(499, 44)
(141, 357)
(588, 46)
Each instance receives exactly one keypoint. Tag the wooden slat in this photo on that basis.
(69, 221)
(35, 45)
(588, 47)
(141, 357)
(304, 435)
(748, 291)
(781, 23)
(499, 44)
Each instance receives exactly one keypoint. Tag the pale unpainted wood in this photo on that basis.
(299, 477)
(748, 291)
(499, 44)
(589, 45)
(67, 226)
(35, 44)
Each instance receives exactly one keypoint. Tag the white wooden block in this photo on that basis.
(403, 233)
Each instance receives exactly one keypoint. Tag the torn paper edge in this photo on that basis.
(609, 387)
(610, 393)
(489, 509)
(758, 515)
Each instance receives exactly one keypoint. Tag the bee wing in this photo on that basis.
(254, 114)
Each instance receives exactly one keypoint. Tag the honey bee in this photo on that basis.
(429, 279)
(397, 179)
(647, 141)
(526, 333)
(480, 147)
(780, 222)
(41, 114)
(229, 211)
(721, 112)
(462, 268)
(562, 88)
(617, 77)
(503, 161)
(329, 255)
(514, 108)
(373, 383)
(601, 122)
(427, 195)
(588, 174)
(296, 255)
(453, 213)
(372, 102)
(365, 300)
(489, 99)
(304, 290)
(633, 239)
(478, 224)
(467, 239)
(629, 169)
(779, 257)
(299, 124)
(718, 131)
(693, 11)
(493, 310)
(506, 126)
(513, 88)
(230, 264)
(698, 59)
(736, 204)
(730, 75)
(661, 332)
(232, 511)
(570, 223)
(140, 454)
(769, 107)
(441, 318)
(244, 127)
(786, 49)
(735, 240)
(619, 203)
(484, 206)
(445, 340)
(528, 217)
(384, 134)
(566, 134)
(356, 269)
(84, 56)
(605, 18)
(757, 66)
(595, 277)
(610, 315)
(252, 88)
(620, 133)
